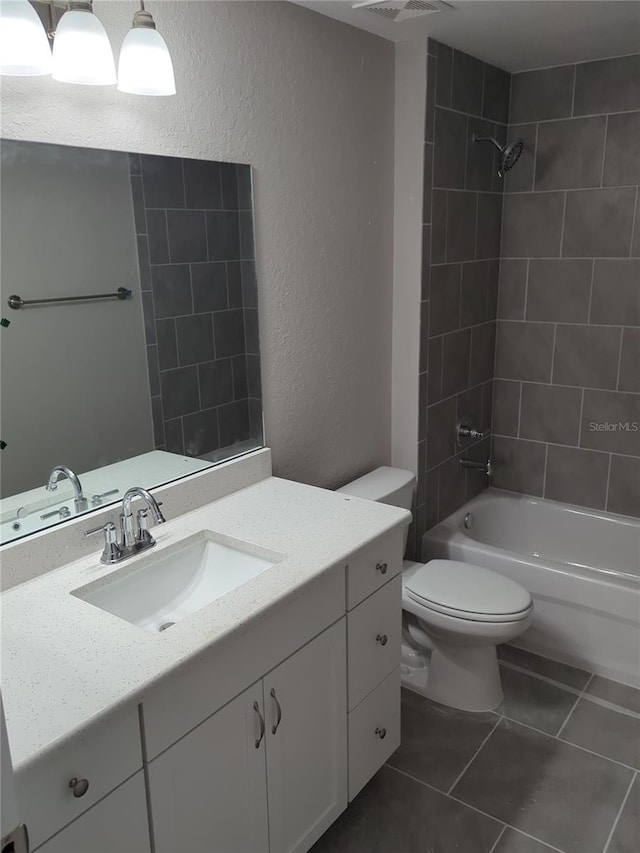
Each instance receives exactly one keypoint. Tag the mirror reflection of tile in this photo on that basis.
(194, 229)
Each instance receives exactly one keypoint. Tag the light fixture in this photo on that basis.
(24, 47)
(145, 66)
(81, 49)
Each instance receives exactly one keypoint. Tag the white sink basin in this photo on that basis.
(162, 589)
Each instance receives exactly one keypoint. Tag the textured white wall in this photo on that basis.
(309, 103)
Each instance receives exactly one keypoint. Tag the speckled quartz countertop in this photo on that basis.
(65, 662)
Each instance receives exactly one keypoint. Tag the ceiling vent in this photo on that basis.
(403, 10)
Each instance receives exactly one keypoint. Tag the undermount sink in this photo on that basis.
(167, 587)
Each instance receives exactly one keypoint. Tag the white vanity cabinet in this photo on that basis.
(282, 742)
(374, 627)
(117, 824)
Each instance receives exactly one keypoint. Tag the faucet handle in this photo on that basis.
(143, 537)
(112, 552)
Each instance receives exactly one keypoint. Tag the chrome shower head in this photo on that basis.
(509, 154)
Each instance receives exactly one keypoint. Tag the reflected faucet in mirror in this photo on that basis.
(80, 502)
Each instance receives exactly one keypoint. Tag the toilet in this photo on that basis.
(454, 614)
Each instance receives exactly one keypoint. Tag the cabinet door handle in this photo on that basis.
(274, 728)
(382, 733)
(382, 639)
(256, 708)
(79, 786)
(382, 568)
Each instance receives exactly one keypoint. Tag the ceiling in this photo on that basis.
(514, 34)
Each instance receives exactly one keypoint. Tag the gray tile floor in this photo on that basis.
(555, 768)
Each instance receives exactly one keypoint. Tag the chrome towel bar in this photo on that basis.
(18, 302)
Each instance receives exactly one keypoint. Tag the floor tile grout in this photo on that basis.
(569, 743)
(497, 841)
(475, 809)
(474, 756)
(580, 692)
(444, 794)
(620, 810)
(575, 705)
(539, 677)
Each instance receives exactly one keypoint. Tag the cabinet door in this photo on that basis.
(306, 704)
(208, 791)
(117, 824)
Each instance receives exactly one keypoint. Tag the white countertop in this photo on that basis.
(65, 662)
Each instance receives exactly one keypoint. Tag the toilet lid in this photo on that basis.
(468, 591)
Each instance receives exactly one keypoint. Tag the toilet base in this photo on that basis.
(462, 677)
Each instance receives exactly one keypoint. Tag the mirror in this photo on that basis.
(147, 368)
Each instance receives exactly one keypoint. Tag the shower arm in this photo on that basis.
(477, 138)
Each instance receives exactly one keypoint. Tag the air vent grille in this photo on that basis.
(403, 10)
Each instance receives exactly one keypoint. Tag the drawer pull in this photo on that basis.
(382, 733)
(382, 568)
(382, 639)
(256, 708)
(79, 786)
(274, 728)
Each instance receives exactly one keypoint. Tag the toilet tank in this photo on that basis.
(392, 486)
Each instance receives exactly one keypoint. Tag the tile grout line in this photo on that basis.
(498, 839)
(617, 388)
(604, 149)
(606, 490)
(575, 704)
(573, 90)
(593, 274)
(443, 794)
(620, 810)
(474, 756)
(633, 222)
(575, 691)
(472, 808)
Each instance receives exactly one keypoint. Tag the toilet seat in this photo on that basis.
(467, 592)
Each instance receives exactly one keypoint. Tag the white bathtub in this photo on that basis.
(581, 566)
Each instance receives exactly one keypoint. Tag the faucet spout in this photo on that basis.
(486, 467)
(61, 471)
(139, 492)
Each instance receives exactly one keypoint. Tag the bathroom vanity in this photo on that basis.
(248, 724)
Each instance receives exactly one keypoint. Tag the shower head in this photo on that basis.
(509, 154)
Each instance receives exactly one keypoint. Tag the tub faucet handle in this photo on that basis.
(465, 430)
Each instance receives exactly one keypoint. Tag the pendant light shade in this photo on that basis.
(24, 46)
(145, 66)
(81, 49)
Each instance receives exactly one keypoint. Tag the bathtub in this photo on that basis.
(581, 566)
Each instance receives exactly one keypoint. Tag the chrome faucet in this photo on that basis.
(132, 539)
(464, 429)
(487, 467)
(80, 502)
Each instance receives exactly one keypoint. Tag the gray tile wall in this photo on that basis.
(194, 226)
(461, 251)
(566, 416)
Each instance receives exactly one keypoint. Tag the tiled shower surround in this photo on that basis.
(559, 240)
(567, 389)
(194, 227)
(461, 251)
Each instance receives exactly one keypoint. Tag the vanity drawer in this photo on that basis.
(104, 755)
(374, 631)
(374, 732)
(372, 566)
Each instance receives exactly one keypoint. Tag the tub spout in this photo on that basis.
(487, 467)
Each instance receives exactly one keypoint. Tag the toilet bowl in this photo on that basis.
(454, 614)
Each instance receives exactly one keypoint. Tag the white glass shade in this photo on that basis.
(145, 66)
(81, 50)
(24, 46)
